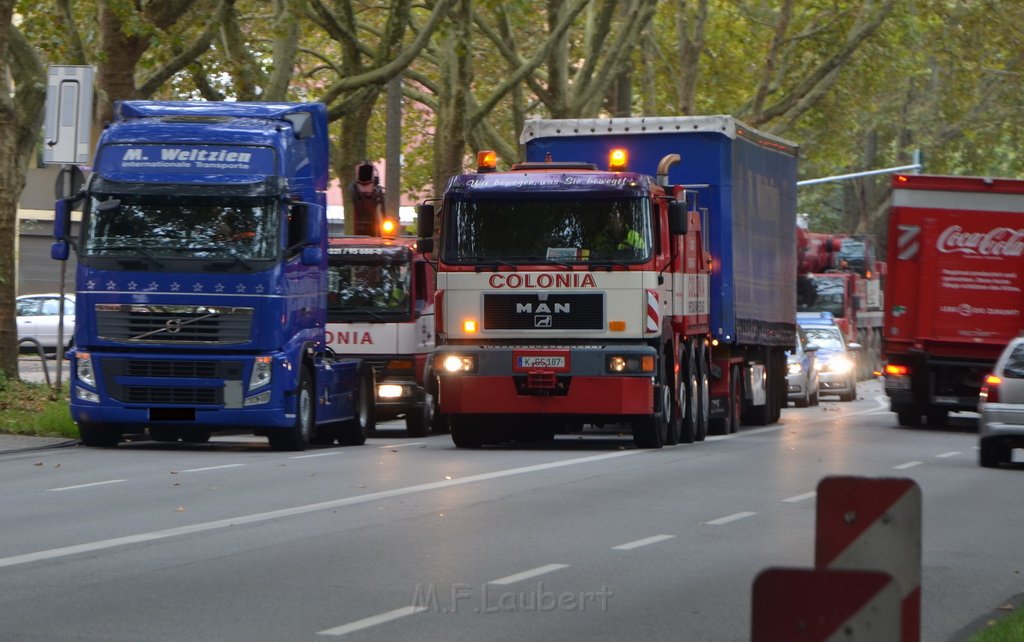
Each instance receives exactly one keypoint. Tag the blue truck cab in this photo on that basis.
(202, 280)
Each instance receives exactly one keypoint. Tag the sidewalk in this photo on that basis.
(20, 443)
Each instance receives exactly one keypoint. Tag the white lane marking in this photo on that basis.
(642, 542)
(255, 518)
(730, 518)
(799, 498)
(952, 453)
(374, 620)
(909, 464)
(414, 443)
(330, 453)
(525, 575)
(205, 468)
(102, 483)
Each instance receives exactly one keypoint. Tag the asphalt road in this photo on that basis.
(583, 539)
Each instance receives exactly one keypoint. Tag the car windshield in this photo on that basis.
(1014, 368)
(552, 228)
(826, 296)
(825, 338)
(200, 227)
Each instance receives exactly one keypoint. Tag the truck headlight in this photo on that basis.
(391, 391)
(84, 370)
(262, 370)
(629, 363)
(455, 363)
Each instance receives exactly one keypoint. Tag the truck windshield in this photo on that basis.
(549, 228)
(827, 295)
(379, 290)
(181, 227)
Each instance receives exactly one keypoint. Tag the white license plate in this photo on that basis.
(540, 361)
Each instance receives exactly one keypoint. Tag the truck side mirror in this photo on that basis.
(62, 219)
(60, 250)
(678, 218)
(425, 245)
(312, 255)
(425, 221)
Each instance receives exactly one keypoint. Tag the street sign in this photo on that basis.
(68, 126)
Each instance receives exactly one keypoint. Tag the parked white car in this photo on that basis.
(1001, 405)
(39, 319)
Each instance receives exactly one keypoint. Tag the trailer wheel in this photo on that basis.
(689, 396)
(98, 435)
(354, 431)
(297, 437)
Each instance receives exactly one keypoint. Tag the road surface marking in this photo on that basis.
(414, 443)
(525, 575)
(909, 464)
(952, 453)
(373, 620)
(730, 518)
(205, 468)
(102, 483)
(642, 542)
(799, 498)
(255, 518)
(330, 453)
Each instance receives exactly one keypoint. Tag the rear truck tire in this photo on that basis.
(937, 417)
(298, 435)
(353, 432)
(993, 452)
(98, 435)
(651, 430)
(908, 417)
(704, 386)
(689, 390)
(677, 403)
(467, 431)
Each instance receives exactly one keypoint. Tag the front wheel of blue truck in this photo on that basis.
(98, 435)
(354, 431)
(297, 437)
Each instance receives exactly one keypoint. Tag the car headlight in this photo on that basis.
(795, 368)
(839, 364)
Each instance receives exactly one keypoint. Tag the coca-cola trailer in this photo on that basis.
(955, 290)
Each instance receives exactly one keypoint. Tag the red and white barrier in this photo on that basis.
(823, 605)
(874, 525)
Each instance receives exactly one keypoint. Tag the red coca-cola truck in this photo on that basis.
(955, 290)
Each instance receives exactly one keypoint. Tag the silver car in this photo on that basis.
(39, 319)
(802, 368)
(1001, 406)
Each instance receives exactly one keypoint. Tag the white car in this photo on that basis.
(39, 319)
(1001, 405)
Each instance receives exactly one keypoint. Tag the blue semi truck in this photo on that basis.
(202, 280)
(745, 181)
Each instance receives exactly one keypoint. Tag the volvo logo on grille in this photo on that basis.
(173, 325)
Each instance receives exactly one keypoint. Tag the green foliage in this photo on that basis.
(1007, 629)
(33, 409)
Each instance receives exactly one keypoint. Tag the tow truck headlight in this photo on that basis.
(83, 369)
(454, 363)
(630, 363)
(262, 370)
(839, 364)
